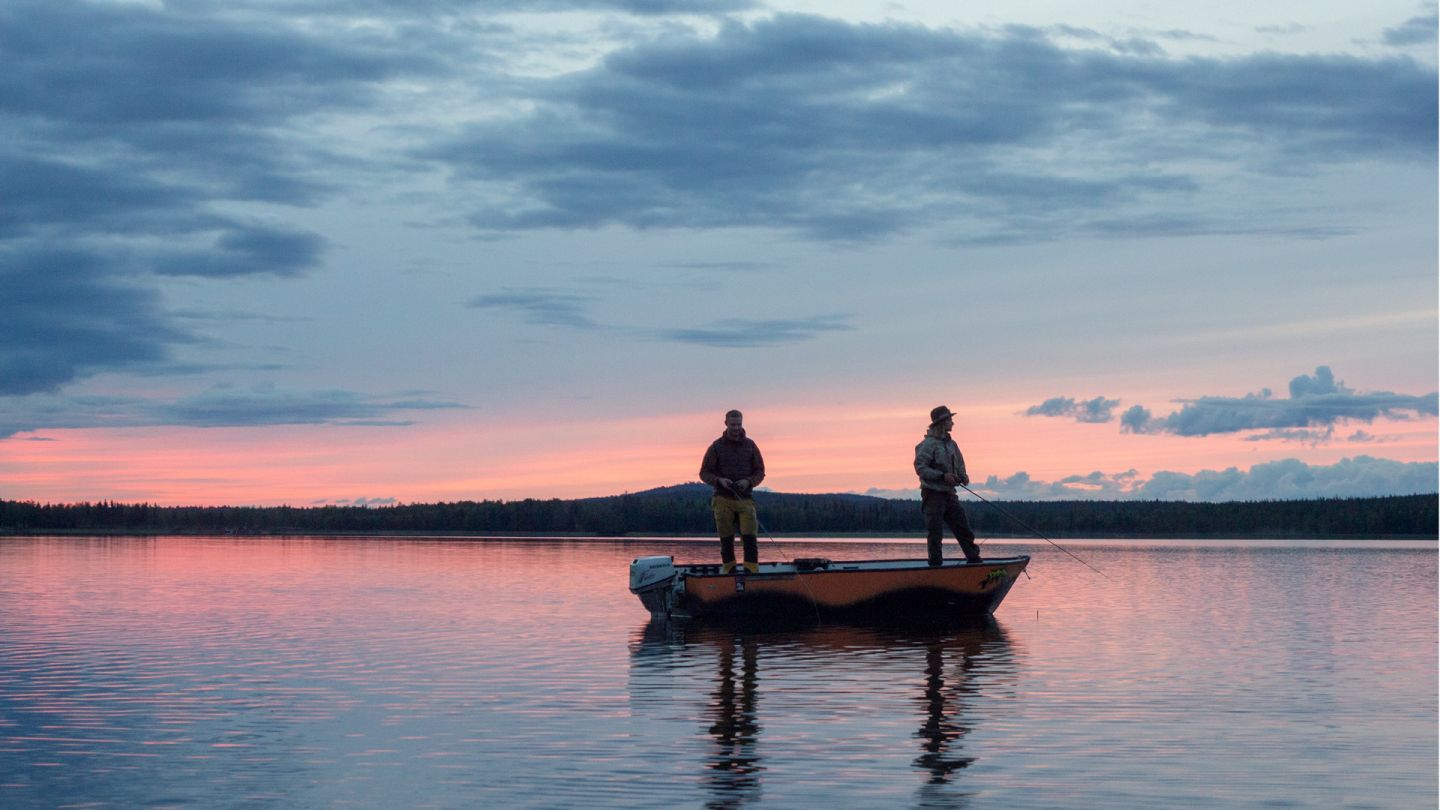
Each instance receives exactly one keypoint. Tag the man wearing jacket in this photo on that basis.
(733, 466)
(941, 468)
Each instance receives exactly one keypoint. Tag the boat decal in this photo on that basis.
(995, 575)
(739, 583)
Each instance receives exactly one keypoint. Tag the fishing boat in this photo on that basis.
(818, 587)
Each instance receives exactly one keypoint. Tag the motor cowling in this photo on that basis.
(647, 573)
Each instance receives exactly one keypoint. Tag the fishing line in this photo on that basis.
(814, 603)
(997, 507)
(776, 543)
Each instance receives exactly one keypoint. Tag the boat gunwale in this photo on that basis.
(791, 570)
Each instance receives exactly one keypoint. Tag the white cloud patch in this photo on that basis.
(1289, 479)
(1361, 476)
(1315, 404)
(368, 503)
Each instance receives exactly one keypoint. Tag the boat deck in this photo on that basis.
(804, 565)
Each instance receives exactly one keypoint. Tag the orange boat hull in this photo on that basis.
(864, 588)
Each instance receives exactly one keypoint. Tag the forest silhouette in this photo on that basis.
(684, 510)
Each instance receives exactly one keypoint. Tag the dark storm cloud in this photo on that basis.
(47, 201)
(130, 134)
(123, 130)
(1098, 409)
(742, 333)
(247, 251)
(269, 405)
(1414, 31)
(68, 313)
(170, 108)
(1315, 402)
(842, 132)
(42, 194)
(122, 65)
(221, 406)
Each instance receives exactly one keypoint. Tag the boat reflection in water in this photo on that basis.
(856, 696)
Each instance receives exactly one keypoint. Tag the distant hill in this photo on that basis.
(684, 510)
(703, 490)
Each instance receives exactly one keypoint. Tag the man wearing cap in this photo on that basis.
(733, 466)
(941, 468)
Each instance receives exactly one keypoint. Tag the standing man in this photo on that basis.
(733, 466)
(941, 468)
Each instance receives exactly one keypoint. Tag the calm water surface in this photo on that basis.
(410, 673)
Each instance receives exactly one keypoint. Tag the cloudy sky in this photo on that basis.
(338, 251)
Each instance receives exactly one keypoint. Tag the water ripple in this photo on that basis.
(361, 672)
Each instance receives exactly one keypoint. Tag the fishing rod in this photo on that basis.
(997, 507)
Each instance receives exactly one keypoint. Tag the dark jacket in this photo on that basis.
(734, 459)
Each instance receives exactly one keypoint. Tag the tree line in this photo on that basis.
(685, 511)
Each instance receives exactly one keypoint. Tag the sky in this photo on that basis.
(369, 252)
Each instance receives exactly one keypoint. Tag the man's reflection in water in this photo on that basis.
(952, 666)
(941, 732)
(942, 728)
(735, 768)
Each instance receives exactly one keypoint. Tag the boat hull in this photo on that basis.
(872, 588)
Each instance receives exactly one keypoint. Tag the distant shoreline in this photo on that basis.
(684, 511)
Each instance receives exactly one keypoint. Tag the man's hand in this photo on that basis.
(725, 483)
(964, 480)
(742, 485)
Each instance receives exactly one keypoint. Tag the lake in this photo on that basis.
(372, 672)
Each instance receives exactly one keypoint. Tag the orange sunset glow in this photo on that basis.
(825, 449)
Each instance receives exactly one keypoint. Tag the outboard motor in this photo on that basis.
(652, 579)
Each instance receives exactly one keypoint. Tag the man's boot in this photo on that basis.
(932, 549)
(972, 552)
(752, 552)
(727, 554)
